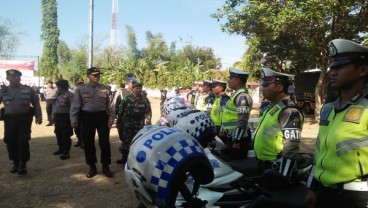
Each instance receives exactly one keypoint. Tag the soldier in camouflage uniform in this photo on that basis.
(134, 113)
(18, 99)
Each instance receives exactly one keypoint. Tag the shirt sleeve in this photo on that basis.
(76, 106)
(243, 104)
(291, 123)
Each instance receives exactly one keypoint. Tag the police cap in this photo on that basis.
(221, 83)
(79, 81)
(237, 73)
(345, 52)
(93, 70)
(63, 84)
(207, 82)
(13, 72)
(270, 76)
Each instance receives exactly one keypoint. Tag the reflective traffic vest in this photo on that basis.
(230, 114)
(342, 144)
(268, 140)
(216, 112)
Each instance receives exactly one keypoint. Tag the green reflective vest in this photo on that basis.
(342, 144)
(268, 140)
(230, 115)
(216, 112)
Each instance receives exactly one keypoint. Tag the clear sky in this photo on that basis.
(186, 20)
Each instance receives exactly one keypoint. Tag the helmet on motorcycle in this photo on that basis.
(199, 125)
(172, 103)
(158, 163)
(174, 115)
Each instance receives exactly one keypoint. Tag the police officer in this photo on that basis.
(134, 113)
(77, 130)
(218, 89)
(205, 98)
(21, 103)
(235, 116)
(51, 95)
(277, 138)
(92, 103)
(339, 177)
(61, 118)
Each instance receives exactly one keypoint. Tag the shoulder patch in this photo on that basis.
(274, 110)
(353, 115)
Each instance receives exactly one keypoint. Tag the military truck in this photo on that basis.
(305, 86)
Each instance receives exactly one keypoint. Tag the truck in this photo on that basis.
(305, 86)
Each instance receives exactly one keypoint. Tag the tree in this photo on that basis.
(8, 38)
(50, 35)
(294, 34)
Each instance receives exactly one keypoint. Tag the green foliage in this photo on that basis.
(50, 35)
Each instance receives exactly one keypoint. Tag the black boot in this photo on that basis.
(14, 169)
(106, 171)
(92, 171)
(65, 156)
(123, 159)
(58, 152)
(22, 170)
(78, 144)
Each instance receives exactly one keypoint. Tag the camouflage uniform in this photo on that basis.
(133, 112)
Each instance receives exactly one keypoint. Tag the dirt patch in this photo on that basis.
(52, 182)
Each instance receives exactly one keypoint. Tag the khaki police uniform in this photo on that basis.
(51, 95)
(61, 118)
(277, 138)
(339, 176)
(92, 105)
(21, 103)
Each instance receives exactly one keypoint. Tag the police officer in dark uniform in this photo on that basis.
(61, 118)
(92, 103)
(339, 176)
(235, 116)
(277, 139)
(21, 103)
(51, 95)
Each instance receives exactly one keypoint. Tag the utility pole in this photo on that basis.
(90, 58)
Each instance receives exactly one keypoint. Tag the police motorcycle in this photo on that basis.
(228, 184)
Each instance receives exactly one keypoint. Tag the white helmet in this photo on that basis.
(158, 163)
(172, 103)
(175, 114)
(199, 125)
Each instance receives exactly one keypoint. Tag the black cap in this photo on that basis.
(63, 84)
(93, 70)
(345, 52)
(13, 72)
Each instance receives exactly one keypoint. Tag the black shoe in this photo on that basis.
(82, 146)
(49, 124)
(106, 171)
(65, 156)
(58, 152)
(14, 169)
(22, 170)
(92, 172)
(78, 144)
